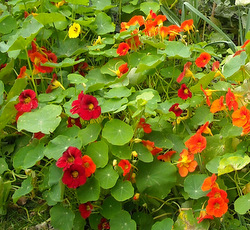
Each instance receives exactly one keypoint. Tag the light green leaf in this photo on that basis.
(101, 4)
(123, 190)
(204, 81)
(46, 18)
(176, 49)
(43, 120)
(110, 207)
(65, 63)
(18, 86)
(118, 92)
(147, 6)
(7, 25)
(76, 78)
(113, 104)
(165, 224)
(123, 152)
(242, 204)
(122, 220)
(143, 153)
(3, 165)
(8, 112)
(26, 187)
(79, 2)
(89, 134)
(1, 92)
(150, 62)
(104, 24)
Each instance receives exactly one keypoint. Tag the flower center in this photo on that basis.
(186, 91)
(74, 174)
(86, 164)
(27, 100)
(91, 106)
(217, 206)
(125, 166)
(70, 159)
(76, 29)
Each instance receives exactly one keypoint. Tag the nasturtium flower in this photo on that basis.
(172, 31)
(245, 44)
(82, 67)
(136, 20)
(246, 128)
(72, 156)
(122, 49)
(54, 84)
(74, 121)
(186, 72)
(216, 207)
(184, 92)
(186, 163)
(122, 70)
(150, 28)
(187, 25)
(231, 100)
(209, 183)
(151, 147)
(22, 73)
(89, 165)
(218, 193)
(74, 176)
(151, 15)
(104, 224)
(217, 105)
(86, 107)
(166, 156)
(205, 129)
(74, 30)
(176, 110)
(196, 143)
(203, 215)
(241, 116)
(125, 165)
(39, 135)
(27, 101)
(146, 127)
(160, 19)
(203, 59)
(85, 210)
(207, 96)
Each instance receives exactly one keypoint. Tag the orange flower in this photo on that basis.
(151, 147)
(150, 29)
(166, 156)
(125, 165)
(160, 19)
(88, 165)
(151, 15)
(217, 105)
(196, 144)
(136, 20)
(123, 49)
(205, 129)
(246, 128)
(134, 41)
(218, 193)
(122, 70)
(231, 100)
(186, 163)
(186, 72)
(203, 215)
(187, 25)
(245, 44)
(206, 95)
(22, 73)
(203, 59)
(216, 207)
(173, 31)
(146, 127)
(209, 183)
(215, 68)
(241, 116)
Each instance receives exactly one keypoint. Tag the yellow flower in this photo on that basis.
(74, 30)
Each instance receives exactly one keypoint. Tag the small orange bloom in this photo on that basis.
(22, 72)
(207, 97)
(123, 49)
(166, 156)
(136, 20)
(173, 31)
(150, 28)
(122, 70)
(126, 166)
(205, 129)
(203, 215)
(160, 19)
(231, 100)
(216, 207)
(246, 128)
(245, 44)
(188, 25)
(151, 15)
(218, 193)
(186, 72)
(146, 127)
(88, 165)
(151, 147)
(196, 144)
(217, 105)
(209, 183)
(203, 59)
(241, 116)
(186, 163)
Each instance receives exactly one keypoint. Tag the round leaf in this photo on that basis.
(117, 132)
(165, 224)
(122, 220)
(123, 190)
(110, 207)
(25, 188)
(123, 152)
(104, 24)
(90, 133)
(3, 165)
(242, 204)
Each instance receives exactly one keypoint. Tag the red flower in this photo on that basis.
(146, 127)
(126, 166)
(184, 92)
(104, 224)
(89, 165)
(122, 70)
(209, 183)
(203, 215)
(196, 144)
(231, 100)
(166, 156)
(203, 59)
(217, 105)
(72, 156)
(74, 176)
(123, 49)
(205, 129)
(22, 73)
(81, 67)
(74, 121)
(86, 107)
(175, 109)
(186, 72)
(85, 210)
(27, 101)
(216, 207)
(151, 147)
(39, 135)
(218, 193)
(186, 163)
(54, 84)
(2, 66)
(245, 44)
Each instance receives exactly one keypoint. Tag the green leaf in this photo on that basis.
(147, 6)
(3, 165)
(79, 2)
(165, 224)
(54, 194)
(104, 24)
(62, 218)
(43, 120)
(98, 151)
(26, 187)
(1, 92)
(160, 139)
(8, 112)
(7, 25)
(107, 177)
(67, 62)
(204, 81)
(110, 207)
(55, 174)
(122, 220)
(242, 204)
(79, 222)
(123, 190)
(156, 178)
(90, 191)
(17, 88)
(46, 18)
(101, 4)
(27, 156)
(143, 153)
(192, 185)
(123, 152)
(76, 78)
(150, 62)
(60, 144)
(229, 130)
(118, 92)
(213, 165)
(89, 134)
(117, 132)
(175, 49)
(113, 104)
(201, 116)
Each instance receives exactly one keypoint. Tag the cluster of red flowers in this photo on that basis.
(195, 144)
(86, 107)
(76, 167)
(217, 202)
(40, 55)
(27, 102)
